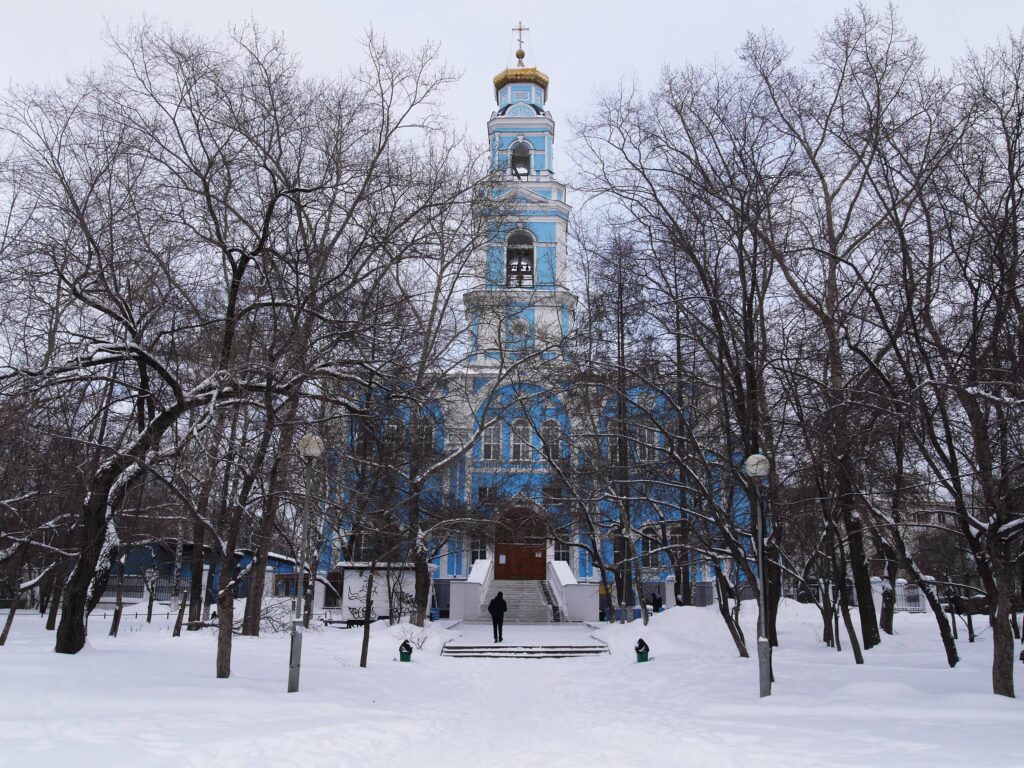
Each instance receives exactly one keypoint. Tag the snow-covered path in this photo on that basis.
(149, 699)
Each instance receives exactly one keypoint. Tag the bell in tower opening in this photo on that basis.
(520, 159)
(519, 260)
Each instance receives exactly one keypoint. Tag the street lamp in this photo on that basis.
(310, 447)
(756, 467)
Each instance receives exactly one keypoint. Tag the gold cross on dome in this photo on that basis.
(520, 29)
(520, 54)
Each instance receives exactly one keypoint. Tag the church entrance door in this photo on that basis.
(520, 551)
(520, 561)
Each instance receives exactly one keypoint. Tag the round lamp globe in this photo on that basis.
(757, 466)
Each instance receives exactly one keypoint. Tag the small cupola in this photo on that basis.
(521, 74)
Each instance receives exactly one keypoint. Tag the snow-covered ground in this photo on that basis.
(150, 700)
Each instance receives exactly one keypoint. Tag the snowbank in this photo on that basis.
(146, 698)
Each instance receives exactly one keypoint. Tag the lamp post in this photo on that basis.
(310, 447)
(756, 467)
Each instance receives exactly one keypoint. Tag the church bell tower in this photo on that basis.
(521, 305)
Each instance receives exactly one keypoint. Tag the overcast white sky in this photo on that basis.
(583, 46)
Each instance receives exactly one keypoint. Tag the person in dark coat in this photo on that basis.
(497, 608)
(656, 602)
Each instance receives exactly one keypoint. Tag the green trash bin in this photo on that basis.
(642, 649)
(405, 651)
(407, 656)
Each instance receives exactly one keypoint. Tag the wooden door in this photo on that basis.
(520, 561)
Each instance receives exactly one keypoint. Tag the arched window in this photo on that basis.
(519, 259)
(519, 159)
(520, 442)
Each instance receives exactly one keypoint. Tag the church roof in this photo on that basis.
(521, 74)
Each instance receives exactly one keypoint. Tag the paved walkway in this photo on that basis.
(526, 634)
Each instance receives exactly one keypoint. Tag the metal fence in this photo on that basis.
(702, 593)
(909, 598)
(134, 588)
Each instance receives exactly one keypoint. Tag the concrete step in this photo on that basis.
(526, 601)
(501, 651)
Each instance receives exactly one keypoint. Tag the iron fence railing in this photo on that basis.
(134, 588)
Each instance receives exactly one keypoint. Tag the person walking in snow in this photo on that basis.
(497, 608)
(656, 602)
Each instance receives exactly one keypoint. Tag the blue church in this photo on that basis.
(508, 400)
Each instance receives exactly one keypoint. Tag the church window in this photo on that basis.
(563, 550)
(646, 444)
(477, 549)
(491, 448)
(619, 548)
(423, 439)
(552, 438)
(650, 558)
(519, 159)
(519, 259)
(520, 440)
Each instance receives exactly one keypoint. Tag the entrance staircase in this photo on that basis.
(529, 602)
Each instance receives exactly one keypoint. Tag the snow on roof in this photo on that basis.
(279, 556)
(366, 565)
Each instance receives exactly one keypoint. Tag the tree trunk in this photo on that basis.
(850, 630)
(421, 572)
(115, 622)
(10, 620)
(827, 609)
(844, 605)
(861, 575)
(835, 621)
(195, 586)
(226, 597)
(46, 592)
(367, 613)
(773, 586)
(225, 614)
(71, 631)
(180, 619)
(51, 619)
(1002, 635)
(723, 606)
(887, 611)
(151, 589)
(179, 552)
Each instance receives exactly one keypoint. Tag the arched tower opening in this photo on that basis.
(519, 259)
(519, 159)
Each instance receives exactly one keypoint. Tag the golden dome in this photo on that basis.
(521, 75)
